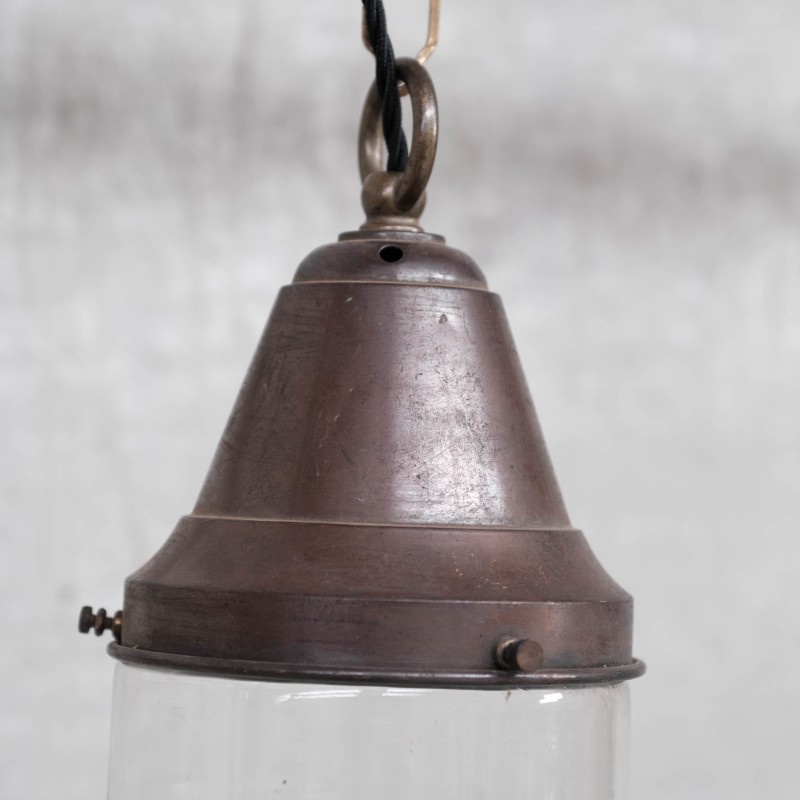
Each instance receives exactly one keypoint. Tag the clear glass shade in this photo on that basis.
(181, 737)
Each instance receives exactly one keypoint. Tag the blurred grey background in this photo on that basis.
(628, 175)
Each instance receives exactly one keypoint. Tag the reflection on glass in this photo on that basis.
(182, 737)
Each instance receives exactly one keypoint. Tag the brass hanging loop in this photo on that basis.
(395, 200)
(434, 16)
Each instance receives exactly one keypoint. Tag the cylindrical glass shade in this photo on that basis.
(181, 737)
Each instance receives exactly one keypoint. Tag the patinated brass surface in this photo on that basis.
(381, 506)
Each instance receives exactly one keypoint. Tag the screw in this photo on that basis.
(522, 655)
(100, 622)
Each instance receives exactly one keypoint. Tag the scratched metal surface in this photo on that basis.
(627, 175)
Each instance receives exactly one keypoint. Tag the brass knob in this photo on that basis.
(521, 655)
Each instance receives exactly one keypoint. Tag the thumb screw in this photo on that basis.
(100, 622)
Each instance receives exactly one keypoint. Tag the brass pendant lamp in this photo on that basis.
(381, 510)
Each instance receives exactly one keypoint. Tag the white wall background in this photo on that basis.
(627, 172)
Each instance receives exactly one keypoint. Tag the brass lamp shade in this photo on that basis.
(381, 507)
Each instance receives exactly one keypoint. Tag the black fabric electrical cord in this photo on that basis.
(386, 79)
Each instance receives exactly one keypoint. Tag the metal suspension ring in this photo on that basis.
(396, 199)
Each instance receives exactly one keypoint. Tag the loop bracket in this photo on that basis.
(395, 200)
(434, 16)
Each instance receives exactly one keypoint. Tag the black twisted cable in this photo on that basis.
(386, 79)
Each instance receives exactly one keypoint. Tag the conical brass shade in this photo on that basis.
(381, 506)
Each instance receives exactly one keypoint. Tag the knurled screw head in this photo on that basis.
(100, 622)
(86, 619)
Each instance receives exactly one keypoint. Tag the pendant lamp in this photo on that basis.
(379, 593)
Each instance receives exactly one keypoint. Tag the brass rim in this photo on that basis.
(295, 673)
